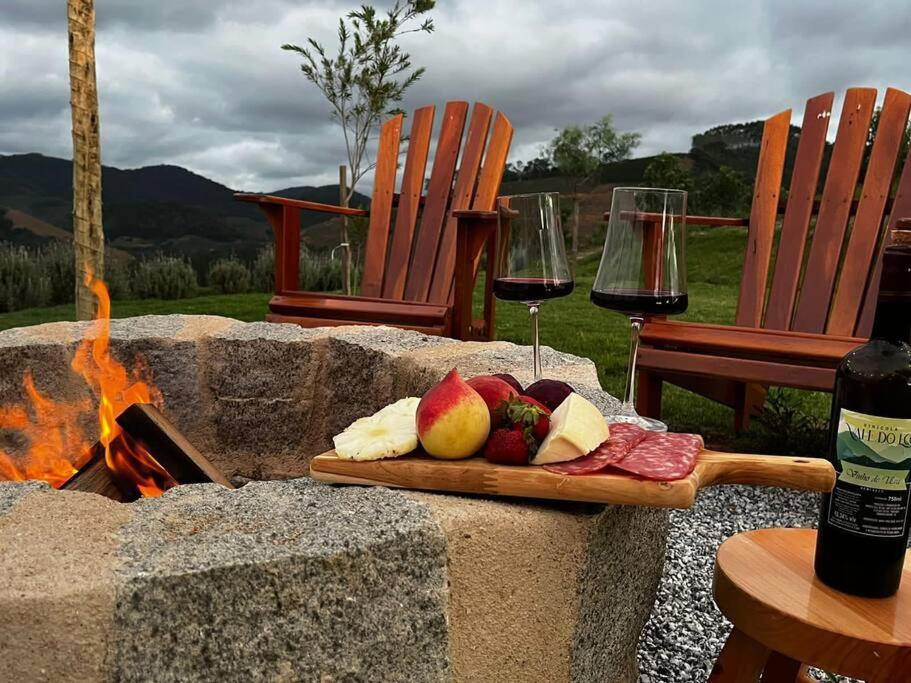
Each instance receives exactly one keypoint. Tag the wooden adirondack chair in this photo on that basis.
(794, 330)
(418, 274)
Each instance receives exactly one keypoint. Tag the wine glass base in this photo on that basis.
(647, 423)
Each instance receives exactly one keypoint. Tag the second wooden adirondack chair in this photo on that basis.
(421, 261)
(793, 330)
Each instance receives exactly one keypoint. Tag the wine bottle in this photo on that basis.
(863, 522)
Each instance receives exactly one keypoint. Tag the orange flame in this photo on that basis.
(56, 442)
(52, 430)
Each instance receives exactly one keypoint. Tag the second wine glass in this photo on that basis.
(643, 270)
(531, 262)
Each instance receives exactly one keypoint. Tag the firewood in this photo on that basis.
(95, 477)
(144, 424)
(171, 449)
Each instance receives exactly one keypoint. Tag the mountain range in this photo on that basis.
(155, 208)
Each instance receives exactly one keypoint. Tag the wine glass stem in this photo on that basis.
(535, 342)
(629, 396)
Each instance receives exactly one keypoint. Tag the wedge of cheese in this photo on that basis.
(577, 427)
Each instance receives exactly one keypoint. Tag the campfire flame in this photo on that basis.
(57, 444)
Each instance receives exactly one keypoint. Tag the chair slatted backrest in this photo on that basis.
(413, 258)
(835, 289)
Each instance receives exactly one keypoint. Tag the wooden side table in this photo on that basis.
(785, 618)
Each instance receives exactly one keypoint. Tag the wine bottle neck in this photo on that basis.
(893, 307)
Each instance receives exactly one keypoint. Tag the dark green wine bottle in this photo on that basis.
(863, 523)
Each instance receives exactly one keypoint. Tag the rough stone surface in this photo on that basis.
(617, 590)
(259, 381)
(281, 581)
(57, 592)
(12, 492)
(572, 584)
(513, 580)
(293, 580)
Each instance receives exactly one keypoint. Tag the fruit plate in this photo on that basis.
(478, 476)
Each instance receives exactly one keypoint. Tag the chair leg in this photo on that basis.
(741, 660)
(648, 394)
(742, 409)
(781, 669)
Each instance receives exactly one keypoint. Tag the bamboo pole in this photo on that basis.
(88, 233)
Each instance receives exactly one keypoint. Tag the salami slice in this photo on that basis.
(663, 457)
(623, 438)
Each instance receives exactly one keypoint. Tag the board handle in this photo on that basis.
(804, 474)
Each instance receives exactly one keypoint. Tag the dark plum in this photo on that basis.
(550, 392)
(511, 381)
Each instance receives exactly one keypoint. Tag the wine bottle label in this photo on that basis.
(874, 459)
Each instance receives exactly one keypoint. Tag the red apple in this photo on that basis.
(493, 390)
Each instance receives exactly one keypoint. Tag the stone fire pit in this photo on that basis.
(293, 580)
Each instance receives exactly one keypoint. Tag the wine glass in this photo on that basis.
(531, 262)
(643, 270)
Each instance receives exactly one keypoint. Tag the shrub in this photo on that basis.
(229, 276)
(58, 264)
(788, 427)
(164, 277)
(319, 272)
(263, 270)
(22, 284)
(117, 277)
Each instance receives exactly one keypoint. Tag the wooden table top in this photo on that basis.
(765, 584)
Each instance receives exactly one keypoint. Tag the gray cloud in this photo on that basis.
(204, 84)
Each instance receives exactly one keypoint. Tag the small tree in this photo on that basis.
(723, 192)
(666, 171)
(368, 76)
(578, 153)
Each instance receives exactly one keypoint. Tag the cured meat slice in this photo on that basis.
(623, 438)
(663, 457)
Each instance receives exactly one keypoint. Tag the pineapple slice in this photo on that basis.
(386, 434)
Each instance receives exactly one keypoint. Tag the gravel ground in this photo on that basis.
(686, 631)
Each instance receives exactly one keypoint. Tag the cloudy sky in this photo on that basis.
(203, 83)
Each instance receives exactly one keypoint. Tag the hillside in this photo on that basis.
(170, 209)
(155, 208)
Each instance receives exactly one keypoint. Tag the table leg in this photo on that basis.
(741, 660)
(781, 669)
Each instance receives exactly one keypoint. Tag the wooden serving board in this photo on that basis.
(476, 475)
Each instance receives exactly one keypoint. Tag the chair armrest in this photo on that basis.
(268, 199)
(475, 214)
(747, 342)
(359, 309)
(707, 221)
(485, 215)
(373, 300)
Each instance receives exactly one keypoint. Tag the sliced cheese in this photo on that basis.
(577, 428)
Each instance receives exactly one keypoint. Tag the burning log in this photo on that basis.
(148, 456)
(95, 477)
(168, 446)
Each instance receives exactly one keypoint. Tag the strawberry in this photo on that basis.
(524, 414)
(507, 447)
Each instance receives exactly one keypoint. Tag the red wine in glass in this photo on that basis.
(642, 271)
(530, 288)
(640, 302)
(530, 261)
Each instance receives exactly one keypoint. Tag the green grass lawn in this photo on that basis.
(575, 326)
